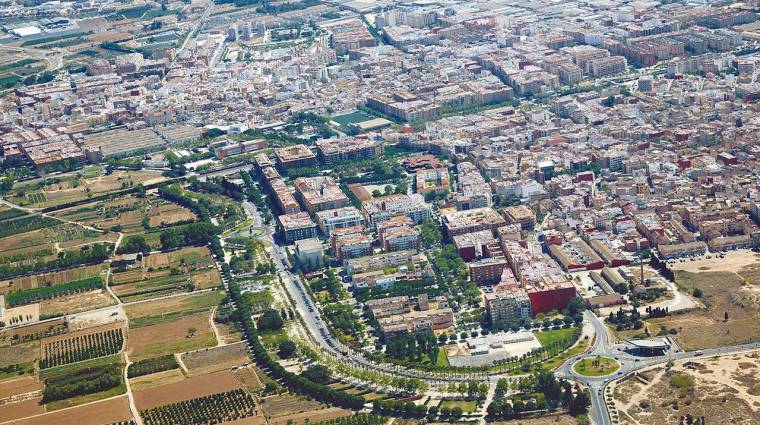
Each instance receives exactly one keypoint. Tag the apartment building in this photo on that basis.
(339, 218)
(297, 226)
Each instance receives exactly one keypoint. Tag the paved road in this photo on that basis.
(628, 364)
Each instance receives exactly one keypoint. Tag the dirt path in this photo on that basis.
(130, 396)
(219, 340)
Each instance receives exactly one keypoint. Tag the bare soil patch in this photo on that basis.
(19, 386)
(22, 409)
(720, 389)
(76, 303)
(156, 379)
(102, 412)
(287, 404)
(190, 388)
(215, 359)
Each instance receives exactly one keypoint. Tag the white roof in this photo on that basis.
(26, 31)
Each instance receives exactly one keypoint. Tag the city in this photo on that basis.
(275, 212)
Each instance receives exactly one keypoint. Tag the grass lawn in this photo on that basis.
(442, 359)
(600, 366)
(546, 338)
(467, 406)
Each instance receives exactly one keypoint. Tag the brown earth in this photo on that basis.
(102, 412)
(215, 359)
(19, 386)
(199, 386)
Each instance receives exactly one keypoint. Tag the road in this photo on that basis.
(628, 364)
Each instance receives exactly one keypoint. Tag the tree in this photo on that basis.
(170, 239)
(270, 320)
(725, 316)
(191, 332)
(456, 412)
(580, 403)
(430, 234)
(287, 349)
(317, 373)
(133, 244)
(697, 293)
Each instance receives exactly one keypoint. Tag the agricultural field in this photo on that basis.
(156, 379)
(175, 336)
(163, 327)
(720, 389)
(18, 337)
(49, 279)
(188, 389)
(216, 359)
(81, 345)
(167, 273)
(84, 382)
(280, 409)
(223, 407)
(128, 214)
(77, 303)
(248, 378)
(735, 294)
(112, 410)
(59, 191)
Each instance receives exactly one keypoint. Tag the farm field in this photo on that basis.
(82, 345)
(19, 386)
(161, 311)
(215, 359)
(48, 279)
(167, 273)
(74, 189)
(286, 405)
(102, 412)
(247, 376)
(76, 303)
(21, 409)
(171, 337)
(734, 293)
(187, 389)
(720, 389)
(319, 415)
(156, 379)
(126, 214)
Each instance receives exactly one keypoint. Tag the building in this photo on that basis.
(295, 156)
(383, 208)
(338, 218)
(309, 254)
(507, 302)
(471, 246)
(416, 322)
(552, 292)
(351, 242)
(398, 234)
(434, 180)
(468, 221)
(488, 270)
(348, 149)
(522, 215)
(297, 226)
(228, 148)
(380, 261)
(319, 194)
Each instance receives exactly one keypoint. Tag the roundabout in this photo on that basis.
(596, 366)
